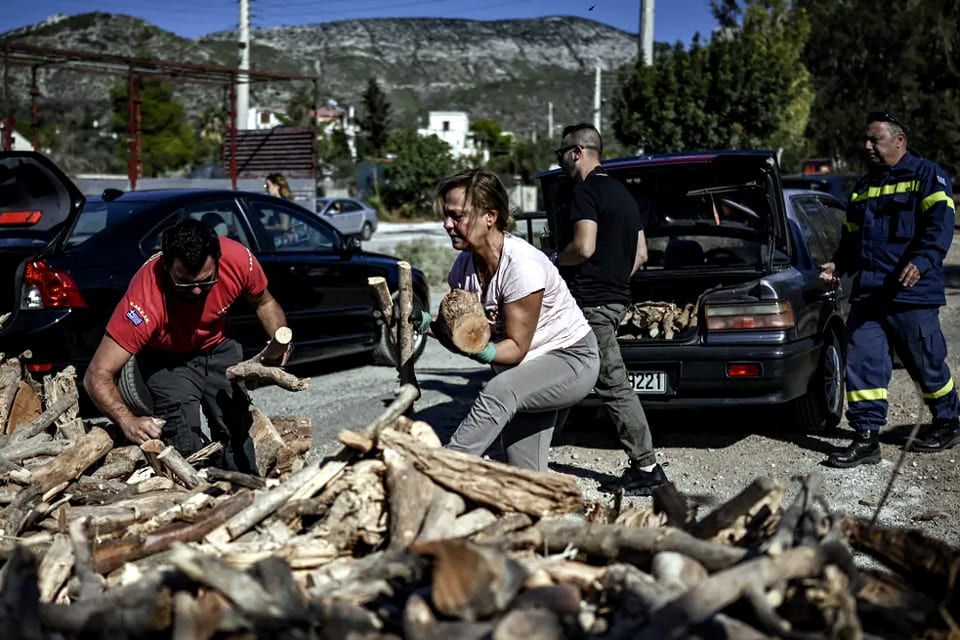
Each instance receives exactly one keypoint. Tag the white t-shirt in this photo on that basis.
(523, 270)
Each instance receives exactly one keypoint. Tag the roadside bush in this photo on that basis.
(432, 258)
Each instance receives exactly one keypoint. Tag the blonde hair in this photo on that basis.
(483, 192)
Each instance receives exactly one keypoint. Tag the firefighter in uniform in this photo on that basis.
(897, 230)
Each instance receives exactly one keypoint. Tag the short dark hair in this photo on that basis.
(192, 241)
(886, 116)
(585, 135)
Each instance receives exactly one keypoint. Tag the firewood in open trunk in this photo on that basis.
(409, 493)
(463, 320)
(505, 487)
(311, 479)
(471, 581)
(54, 475)
(754, 509)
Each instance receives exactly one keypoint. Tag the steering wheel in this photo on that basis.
(722, 256)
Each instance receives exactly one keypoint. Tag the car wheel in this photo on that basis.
(134, 390)
(367, 231)
(385, 353)
(822, 407)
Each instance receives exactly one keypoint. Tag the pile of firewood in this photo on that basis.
(658, 320)
(395, 536)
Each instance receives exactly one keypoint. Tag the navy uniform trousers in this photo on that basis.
(914, 332)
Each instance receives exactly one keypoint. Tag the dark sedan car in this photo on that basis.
(839, 185)
(67, 261)
(726, 241)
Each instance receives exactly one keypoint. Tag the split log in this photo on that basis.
(410, 493)
(267, 442)
(505, 487)
(725, 587)
(463, 320)
(55, 568)
(113, 553)
(277, 346)
(72, 429)
(26, 407)
(751, 510)
(262, 375)
(151, 451)
(379, 285)
(442, 512)
(45, 419)
(356, 440)
(204, 453)
(120, 462)
(64, 383)
(9, 385)
(309, 480)
(471, 581)
(41, 444)
(240, 588)
(613, 542)
(182, 470)
(54, 475)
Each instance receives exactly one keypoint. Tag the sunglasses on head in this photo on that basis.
(884, 116)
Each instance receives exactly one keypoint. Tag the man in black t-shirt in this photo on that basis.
(604, 247)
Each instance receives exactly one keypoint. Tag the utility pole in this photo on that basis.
(646, 32)
(549, 121)
(596, 100)
(243, 80)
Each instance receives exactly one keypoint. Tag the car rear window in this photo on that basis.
(97, 216)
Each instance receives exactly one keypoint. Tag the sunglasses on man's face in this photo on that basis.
(202, 284)
(562, 151)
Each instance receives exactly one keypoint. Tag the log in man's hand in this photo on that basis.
(142, 428)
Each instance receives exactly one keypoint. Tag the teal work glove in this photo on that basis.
(421, 324)
(486, 355)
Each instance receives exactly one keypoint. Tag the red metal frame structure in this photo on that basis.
(135, 69)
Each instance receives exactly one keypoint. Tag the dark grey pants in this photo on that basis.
(522, 405)
(183, 385)
(614, 389)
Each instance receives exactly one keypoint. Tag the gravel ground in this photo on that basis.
(710, 456)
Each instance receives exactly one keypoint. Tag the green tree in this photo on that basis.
(299, 110)
(333, 153)
(374, 121)
(409, 180)
(169, 142)
(746, 89)
(909, 66)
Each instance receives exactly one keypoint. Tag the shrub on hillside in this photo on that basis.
(432, 258)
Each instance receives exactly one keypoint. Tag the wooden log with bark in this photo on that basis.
(463, 321)
(54, 476)
(263, 375)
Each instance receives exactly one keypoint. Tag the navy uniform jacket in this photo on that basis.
(902, 214)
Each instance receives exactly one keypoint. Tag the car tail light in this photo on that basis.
(20, 217)
(47, 288)
(743, 370)
(739, 317)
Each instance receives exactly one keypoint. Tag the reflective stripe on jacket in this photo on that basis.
(900, 215)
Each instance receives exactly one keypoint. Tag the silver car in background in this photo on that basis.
(350, 217)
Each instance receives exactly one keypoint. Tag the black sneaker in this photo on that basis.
(942, 435)
(637, 482)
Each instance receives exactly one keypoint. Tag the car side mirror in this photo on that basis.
(354, 243)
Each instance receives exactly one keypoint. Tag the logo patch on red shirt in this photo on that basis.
(134, 317)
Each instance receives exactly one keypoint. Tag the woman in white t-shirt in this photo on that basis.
(542, 351)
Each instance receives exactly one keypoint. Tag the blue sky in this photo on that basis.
(674, 20)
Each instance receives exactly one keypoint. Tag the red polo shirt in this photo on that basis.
(152, 314)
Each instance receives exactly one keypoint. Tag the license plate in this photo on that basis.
(648, 381)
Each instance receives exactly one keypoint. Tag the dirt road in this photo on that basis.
(709, 456)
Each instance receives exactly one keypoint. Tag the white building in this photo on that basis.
(264, 117)
(453, 127)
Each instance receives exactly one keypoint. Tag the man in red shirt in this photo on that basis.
(174, 318)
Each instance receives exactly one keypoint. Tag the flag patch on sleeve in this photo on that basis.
(134, 317)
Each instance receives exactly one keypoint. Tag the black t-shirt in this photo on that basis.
(605, 277)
